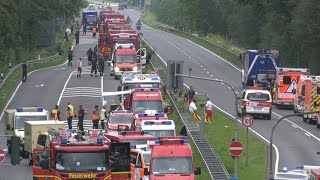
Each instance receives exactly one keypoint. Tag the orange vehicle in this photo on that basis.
(298, 104)
(140, 160)
(311, 88)
(286, 85)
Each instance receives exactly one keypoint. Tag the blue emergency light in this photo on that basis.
(19, 109)
(155, 85)
(64, 140)
(133, 147)
(147, 123)
(300, 167)
(161, 114)
(138, 89)
(128, 79)
(167, 122)
(40, 109)
(99, 140)
(155, 89)
(143, 148)
(285, 169)
(121, 133)
(185, 140)
(141, 115)
(157, 140)
(155, 79)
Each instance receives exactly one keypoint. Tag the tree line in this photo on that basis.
(290, 26)
(22, 20)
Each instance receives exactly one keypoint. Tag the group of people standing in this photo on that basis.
(97, 61)
(70, 113)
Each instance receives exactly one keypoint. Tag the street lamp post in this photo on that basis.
(271, 174)
(235, 103)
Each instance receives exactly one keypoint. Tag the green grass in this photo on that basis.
(15, 77)
(151, 20)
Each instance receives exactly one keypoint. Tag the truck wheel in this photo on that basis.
(310, 121)
(268, 116)
(115, 77)
(111, 74)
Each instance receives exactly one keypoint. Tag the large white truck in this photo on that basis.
(15, 118)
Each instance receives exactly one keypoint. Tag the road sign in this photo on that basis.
(2, 155)
(138, 23)
(247, 120)
(236, 148)
(138, 27)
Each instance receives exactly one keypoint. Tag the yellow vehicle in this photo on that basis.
(15, 118)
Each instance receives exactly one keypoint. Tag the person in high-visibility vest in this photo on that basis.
(95, 117)
(103, 116)
(193, 108)
(94, 32)
(55, 113)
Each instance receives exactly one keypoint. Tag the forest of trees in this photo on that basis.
(290, 26)
(21, 20)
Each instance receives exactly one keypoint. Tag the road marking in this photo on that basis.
(294, 126)
(207, 72)
(204, 69)
(307, 134)
(229, 87)
(42, 85)
(211, 75)
(201, 66)
(15, 91)
(222, 83)
(64, 87)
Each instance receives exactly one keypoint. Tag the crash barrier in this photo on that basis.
(29, 62)
(213, 163)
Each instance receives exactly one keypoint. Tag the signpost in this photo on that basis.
(236, 148)
(247, 121)
(2, 155)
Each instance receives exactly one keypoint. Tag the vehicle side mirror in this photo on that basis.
(146, 171)
(119, 88)
(168, 110)
(197, 171)
(138, 166)
(8, 127)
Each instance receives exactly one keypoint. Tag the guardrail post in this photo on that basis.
(2, 76)
(9, 65)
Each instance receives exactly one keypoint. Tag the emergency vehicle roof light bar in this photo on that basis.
(126, 133)
(157, 122)
(171, 140)
(20, 109)
(128, 79)
(146, 89)
(160, 114)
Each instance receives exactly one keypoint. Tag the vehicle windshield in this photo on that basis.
(21, 119)
(125, 41)
(147, 159)
(134, 142)
(140, 106)
(172, 165)
(158, 133)
(121, 119)
(82, 161)
(289, 176)
(140, 85)
(258, 96)
(91, 18)
(126, 59)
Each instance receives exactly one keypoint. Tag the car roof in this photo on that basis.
(256, 90)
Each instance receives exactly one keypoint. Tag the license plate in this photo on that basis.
(257, 108)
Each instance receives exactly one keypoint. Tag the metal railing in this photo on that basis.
(17, 66)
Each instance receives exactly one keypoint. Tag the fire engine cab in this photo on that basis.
(286, 85)
(159, 127)
(124, 59)
(171, 158)
(73, 156)
(119, 118)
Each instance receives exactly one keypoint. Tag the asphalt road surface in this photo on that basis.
(297, 141)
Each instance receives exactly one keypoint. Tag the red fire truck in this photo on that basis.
(69, 155)
(119, 117)
(171, 158)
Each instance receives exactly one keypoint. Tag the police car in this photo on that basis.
(255, 102)
(297, 174)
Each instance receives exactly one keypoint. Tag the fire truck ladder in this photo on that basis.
(211, 159)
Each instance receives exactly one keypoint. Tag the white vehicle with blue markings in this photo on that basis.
(131, 81)
(159, 127)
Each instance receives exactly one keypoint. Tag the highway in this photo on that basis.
(297, 141)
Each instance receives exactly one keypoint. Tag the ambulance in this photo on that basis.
(131, 81)
(140, 159)
(298, 103)
(148, 115)
(311, 93)
(159, 128)
(286, 85)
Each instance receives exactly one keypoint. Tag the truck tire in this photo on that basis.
(310, 121)
(268, 116)
(115, 77)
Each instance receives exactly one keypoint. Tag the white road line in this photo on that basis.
(307, 134)
(64, 87)
(207, 72)
(294, 126)
(15, 91)
(229, 87)
(201, 66)
(211, 75)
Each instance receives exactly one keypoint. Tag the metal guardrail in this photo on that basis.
(211, 159)
(14, 68)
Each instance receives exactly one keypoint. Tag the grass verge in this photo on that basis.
(150, 20)
(220, 133)
(15, 78)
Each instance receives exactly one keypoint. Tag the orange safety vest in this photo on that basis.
(54, 114)
(94, 30)
(95, 115)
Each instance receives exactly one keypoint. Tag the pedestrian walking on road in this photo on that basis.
(79, 65)
(193, 109)
(55, 113)
(70, 56)
(95, 117)
(94, 67)
(69, 117)
(94, 32)
(90, 55)
(191, 94)
(209, 108)
(80, 118)
(24, 72)
(101, 64)
(84, 29)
